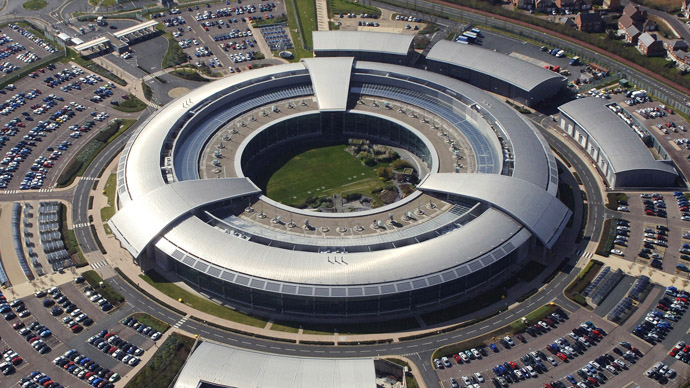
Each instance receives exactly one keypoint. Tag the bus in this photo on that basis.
(471, 36)
(462, 39)
(477, 31)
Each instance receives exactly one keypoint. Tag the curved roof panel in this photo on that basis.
(521, 74)
(331, 80)
(227, 366)
(366, 41)
(141, 220)
(623, 148)
(542, 213)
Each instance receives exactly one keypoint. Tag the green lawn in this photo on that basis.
(35, 4)
(321, 172)
(132, 104)
(107, 290)
(199, 303)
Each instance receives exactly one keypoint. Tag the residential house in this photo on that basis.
(625, 21)
(681, 58)
(675, 45)
(634, 12)
(544, 5)
(589, 22)
(523, 4)
(650, 46)
(568, 5)
(611, 4)
(685, 8)
(568, 21)
(631, 34)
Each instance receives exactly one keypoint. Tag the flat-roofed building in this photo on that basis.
(381, 47)
(498, 73)
(216, 365)
(613, 139)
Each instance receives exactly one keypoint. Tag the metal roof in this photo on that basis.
(140, 221)
(229, 366)
(330, 78)
(623, 148)
(457, 253)
(141, 26)
(366, 41)
(205, 248)
(91, 43)
(542, 213)
(519, 73)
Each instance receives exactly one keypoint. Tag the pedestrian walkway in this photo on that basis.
(322, 15)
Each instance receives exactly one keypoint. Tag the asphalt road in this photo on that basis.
(82, 190)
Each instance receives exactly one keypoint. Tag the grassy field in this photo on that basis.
(199, 303)
(166, 363)
(297, 33)
(331, 170)
(189, 74)
(35, 4)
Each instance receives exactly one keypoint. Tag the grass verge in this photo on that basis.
(300, 51)
(70, 239)
(574, 289)
(109, 191)
(199, 303)
(79, 164)
(613, 198)
(155, 323)
(174, 56)
(189, 74)
(608, 233)
(107, 291)
(532, 318)
(132, 104)
(165, 364)
(34, 5)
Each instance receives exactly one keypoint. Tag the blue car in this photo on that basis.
(494, 348)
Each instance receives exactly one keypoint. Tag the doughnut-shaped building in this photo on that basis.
(486, 200)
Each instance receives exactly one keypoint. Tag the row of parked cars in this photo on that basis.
(86, 369)
(35, 335)
(12, 359)
(38, 379)
(652, 238)
(110, 343)
(657, 323)
(141, 328)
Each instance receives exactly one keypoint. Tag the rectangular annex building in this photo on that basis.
(381, 47)
(498, 73)
(614, 141)
(216, 365)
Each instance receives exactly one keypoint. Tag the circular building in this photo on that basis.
(485, 199)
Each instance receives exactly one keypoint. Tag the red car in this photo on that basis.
(18, 325)
(512, 364)
(562, 356)
(457, 358)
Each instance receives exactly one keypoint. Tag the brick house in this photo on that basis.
(631, 34)
(650, 46)
(589, 22)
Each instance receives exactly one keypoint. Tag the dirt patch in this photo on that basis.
(178, 92)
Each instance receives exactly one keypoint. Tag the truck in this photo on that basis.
(101, 21)
(575, 61)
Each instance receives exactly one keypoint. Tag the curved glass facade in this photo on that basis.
(399, 304)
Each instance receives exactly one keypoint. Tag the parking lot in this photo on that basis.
(609, 356)
(20, 47)
(48, 117)
(221, 36)
(88, 362)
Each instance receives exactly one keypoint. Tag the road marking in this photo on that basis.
(100, 264)
(180, 322)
